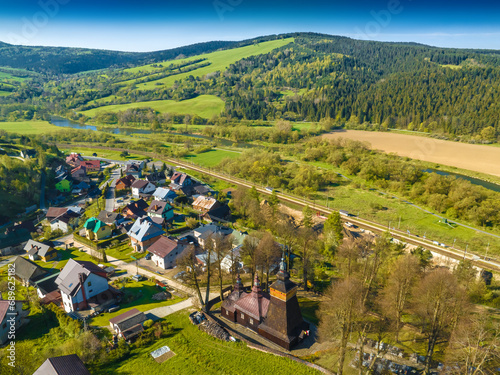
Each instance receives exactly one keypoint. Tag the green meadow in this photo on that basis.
(197, 352)
(204, 106)
(211, 158)
(219, 61)
(29, 127)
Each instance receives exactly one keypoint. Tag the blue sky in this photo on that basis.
(149, 25)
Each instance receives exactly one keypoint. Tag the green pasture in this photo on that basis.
(219, 61)
(211, 158)
(29, 127)
(204, 106)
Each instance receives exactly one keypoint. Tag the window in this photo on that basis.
(251, 321)
(90, 291)
(242, 316)
(89, 283)
(227, 312)
(4, 325)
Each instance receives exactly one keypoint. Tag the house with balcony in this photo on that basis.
(83, 285)
(143, 233)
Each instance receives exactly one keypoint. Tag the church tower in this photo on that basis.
(284, 322)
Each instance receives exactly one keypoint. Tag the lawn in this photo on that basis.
(308, 308)
(211, 158)
(140, 294)
(5, 93)
(197, 352)
(29, 127)
(65, 256)
(124, 252)
(219, 61)
(204, 106)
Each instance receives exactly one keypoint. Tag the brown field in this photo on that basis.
(483, 159)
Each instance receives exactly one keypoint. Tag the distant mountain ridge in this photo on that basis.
(69, 60)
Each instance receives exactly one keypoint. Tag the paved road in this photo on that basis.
(163, 311)
(110, 194)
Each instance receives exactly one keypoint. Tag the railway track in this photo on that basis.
(455, 254)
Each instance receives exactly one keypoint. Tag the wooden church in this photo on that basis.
(275, 316)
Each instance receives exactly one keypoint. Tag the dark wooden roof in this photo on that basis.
(128, 319)
(230, 302)
(255, 304)
(284, 319)
(65, 365)
(26, 270)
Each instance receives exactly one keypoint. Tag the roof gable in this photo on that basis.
(27, 270)
(144, 229)
(68, 280)
(64, 365)
(163, 246)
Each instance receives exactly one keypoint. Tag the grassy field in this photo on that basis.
(29, 127)
(204, 106)
(4, 93)
(211, 158)
(140, 294)
(219, 61)
(197, 352)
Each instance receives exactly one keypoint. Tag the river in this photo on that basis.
(65, 123)
(475, 181)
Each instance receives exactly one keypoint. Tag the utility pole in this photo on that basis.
(465, 252)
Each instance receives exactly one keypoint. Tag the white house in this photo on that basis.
(65, 222)
(166, 251)
(142, 187)
(81, 284)
(205, 231)
(233, 258)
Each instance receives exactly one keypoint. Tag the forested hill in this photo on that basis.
(64, 60)
(307, 77)
(57, 60)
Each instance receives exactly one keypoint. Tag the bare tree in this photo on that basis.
(439, 302)
(209, 249)
(306, 241)
(249, 253)
(222, 247)
(380, 254)
(286, 231)
(339, 312)
(395, 296)
(349, 252)
(268, 254)
(474, 346)
(189, 263)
